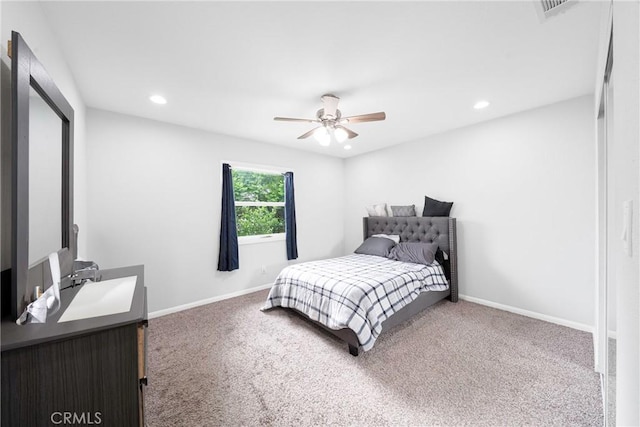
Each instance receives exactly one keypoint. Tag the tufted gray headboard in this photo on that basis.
(441, 230)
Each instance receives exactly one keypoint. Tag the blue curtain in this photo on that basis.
(290, 217)
(228, 259)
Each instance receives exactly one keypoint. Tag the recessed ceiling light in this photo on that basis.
(481, 104)
(347, 147)
(157, 99)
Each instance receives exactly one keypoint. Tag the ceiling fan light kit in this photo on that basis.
(331, 122)
(340, 134)
(321, 134)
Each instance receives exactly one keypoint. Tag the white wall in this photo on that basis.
(523, 192)
(624, 155)
(155, 199)
(28, 19)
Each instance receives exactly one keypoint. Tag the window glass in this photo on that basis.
(259, 199)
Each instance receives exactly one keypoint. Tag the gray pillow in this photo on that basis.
(415, 252)
(409, 210)
(379, 246)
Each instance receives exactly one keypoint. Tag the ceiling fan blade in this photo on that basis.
(371, 117)
(308, 134)
(351, 134)
(289, 119)
(330, 104)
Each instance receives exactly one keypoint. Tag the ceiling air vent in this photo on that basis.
(549, 8)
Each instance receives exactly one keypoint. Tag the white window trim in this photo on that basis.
(256, 167)
(259, 238)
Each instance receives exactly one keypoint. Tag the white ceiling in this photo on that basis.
(230, 67)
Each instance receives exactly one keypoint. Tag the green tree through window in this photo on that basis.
(259, 198)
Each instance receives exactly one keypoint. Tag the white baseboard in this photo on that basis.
(532, 314)
(527, 313)
(206, 301)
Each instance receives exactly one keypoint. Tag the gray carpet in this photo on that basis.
(228, 364)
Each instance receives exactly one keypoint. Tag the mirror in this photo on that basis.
(608, 241)
(42, 176)
(45, 179)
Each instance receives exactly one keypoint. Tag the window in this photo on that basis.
(259, 201)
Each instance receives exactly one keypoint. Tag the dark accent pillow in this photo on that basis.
(379, 246)
(433, 207)
(415, 252)
(409, 210)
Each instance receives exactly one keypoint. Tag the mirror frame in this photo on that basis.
(26, 72)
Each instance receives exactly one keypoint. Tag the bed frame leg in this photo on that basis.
(353, 350)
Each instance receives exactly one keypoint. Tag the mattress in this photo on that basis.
(356, 291)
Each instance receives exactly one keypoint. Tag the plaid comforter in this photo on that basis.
(356, 291)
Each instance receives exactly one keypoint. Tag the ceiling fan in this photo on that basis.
(331, 122)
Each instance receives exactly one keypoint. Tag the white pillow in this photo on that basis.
(377, 210)
(393, 237)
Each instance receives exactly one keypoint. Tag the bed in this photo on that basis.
(313, 289)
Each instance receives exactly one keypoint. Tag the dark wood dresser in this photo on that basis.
(84, 372)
